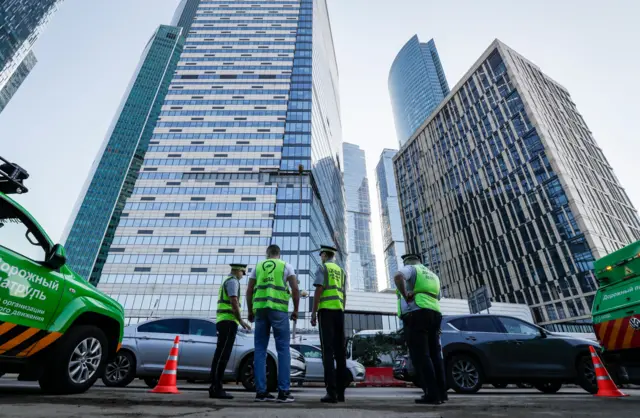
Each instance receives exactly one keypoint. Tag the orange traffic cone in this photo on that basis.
(606, 387)
(167, 382)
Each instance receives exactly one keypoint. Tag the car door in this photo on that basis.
(532, 353)
(200, 346)
(154, 341)
(482, 333)
(313, 358)
(30, 289)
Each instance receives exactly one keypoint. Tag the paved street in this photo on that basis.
(23, 399)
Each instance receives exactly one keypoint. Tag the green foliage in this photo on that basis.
(379, 350)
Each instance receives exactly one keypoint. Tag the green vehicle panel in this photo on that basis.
(40, 301)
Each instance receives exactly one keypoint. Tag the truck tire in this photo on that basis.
(121, 370)
(76, 361)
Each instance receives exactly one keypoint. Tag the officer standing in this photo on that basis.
(271, 285)
(227, 321)
(328, 307)
(418, 292)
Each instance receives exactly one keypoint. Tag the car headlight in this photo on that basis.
(296, 355)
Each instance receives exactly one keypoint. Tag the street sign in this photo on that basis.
(479, 300)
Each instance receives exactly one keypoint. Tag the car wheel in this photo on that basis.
(152, 382)
(587, 375)
(464, 374)
(500, 385)
(247, 376)
(121, 371)
(76, 362)
(548, 387)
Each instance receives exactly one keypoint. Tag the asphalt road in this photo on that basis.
(23, 399)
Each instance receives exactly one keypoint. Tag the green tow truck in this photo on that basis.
(55, 327)
(616, 312)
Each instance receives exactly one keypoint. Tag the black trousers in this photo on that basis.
(333, 348)
(227, 331)
(422, 330)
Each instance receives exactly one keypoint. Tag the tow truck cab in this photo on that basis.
(616, 312)
(55, 327)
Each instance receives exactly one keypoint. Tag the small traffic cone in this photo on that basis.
(167, 382)
(606, 387)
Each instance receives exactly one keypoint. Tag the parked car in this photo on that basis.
(315, 371)
(145, 348)
(500, 350)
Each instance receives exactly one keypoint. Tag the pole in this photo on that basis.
(300, 174)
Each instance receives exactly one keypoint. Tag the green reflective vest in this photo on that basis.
(225, 309)
(333, 288)
(426, 290)
(271, 290)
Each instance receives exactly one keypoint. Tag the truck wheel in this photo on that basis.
(121, 371)
(75, 362)
(247, 376)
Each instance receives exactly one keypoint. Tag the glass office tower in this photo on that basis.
(505, 186)
(21, 22)
(417, 85)
(254, 96)
(362, 263)
(92, 226)
(390, 219)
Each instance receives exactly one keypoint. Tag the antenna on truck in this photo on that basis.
(12, 177)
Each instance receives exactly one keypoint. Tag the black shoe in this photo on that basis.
(428, 401)
(219, 394)
(285, 397)
(341, 397)
(264, 397)
(329, 399)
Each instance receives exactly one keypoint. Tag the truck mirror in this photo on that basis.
(57, 258)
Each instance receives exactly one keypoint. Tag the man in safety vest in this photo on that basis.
(328, 304)
(227, 321)
(418, 292)
(271, 285)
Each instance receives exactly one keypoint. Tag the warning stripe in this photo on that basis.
(27, 342)
(6, 327)
(614, 333)
(37, 346)
(622, 333)
(628, 336)
(606, 332)
(30, 332)
(12, 333)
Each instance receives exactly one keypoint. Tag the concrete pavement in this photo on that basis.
(22, 399)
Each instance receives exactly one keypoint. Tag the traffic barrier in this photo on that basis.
(168, 379)
(381, 377)
(606, 387)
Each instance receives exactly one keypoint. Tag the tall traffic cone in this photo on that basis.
(606, 387)
(167, 382)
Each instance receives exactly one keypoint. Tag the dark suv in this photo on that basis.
(500, 349)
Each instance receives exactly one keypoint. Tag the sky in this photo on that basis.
(56, 122)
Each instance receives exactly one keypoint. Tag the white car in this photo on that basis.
(145, 348)
(315, 371)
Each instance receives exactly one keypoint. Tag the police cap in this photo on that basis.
(328, 249)
(408, 257)
(238, 266)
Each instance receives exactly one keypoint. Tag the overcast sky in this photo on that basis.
(56, 122)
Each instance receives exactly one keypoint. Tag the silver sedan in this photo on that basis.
(315, 371)
(145, 348)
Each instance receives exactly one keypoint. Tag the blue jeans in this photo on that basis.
(266, 319)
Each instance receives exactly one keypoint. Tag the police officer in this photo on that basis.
(328, 307)
(271, 285)
(418, 292)
(227, 321)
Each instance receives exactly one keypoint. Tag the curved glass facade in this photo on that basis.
(417, 85)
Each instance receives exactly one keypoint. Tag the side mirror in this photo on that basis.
(57, 257)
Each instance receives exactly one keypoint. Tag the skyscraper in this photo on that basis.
(16, 79)
(254, 96)
(362, 263)
(21, 22)
(417, 85)
(92, 226)
(505, 186)
(390, 220)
